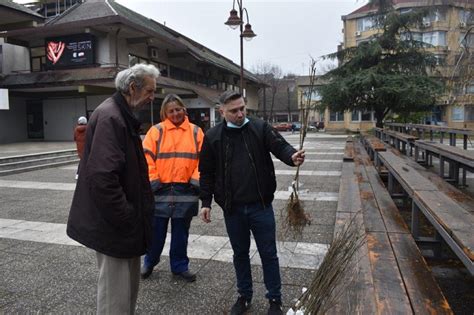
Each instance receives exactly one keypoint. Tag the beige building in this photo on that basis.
(354, 121)
(446, 30)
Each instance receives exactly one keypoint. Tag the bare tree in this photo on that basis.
(270, 75)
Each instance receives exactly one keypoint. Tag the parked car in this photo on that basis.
(283, 126)
(297, 126)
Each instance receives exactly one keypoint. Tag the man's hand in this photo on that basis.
(205, 214)
(298, 157)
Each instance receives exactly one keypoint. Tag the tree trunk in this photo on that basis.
(379, 116)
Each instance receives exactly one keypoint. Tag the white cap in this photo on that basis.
(82, 120)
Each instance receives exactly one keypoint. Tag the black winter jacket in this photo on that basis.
(213, 162)
(112, 207)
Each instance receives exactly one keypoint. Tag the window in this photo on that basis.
(466, 16)
(434, 38)
(364, 24)
(457, 113)
(470, 88)
(466, 41)
(336, 116)
(435, 16)
(314, 95)
(406, 10)
(355, 115)
(133, 60)
(440, 60)
(38, 59)
(366, 115)
(162, 67)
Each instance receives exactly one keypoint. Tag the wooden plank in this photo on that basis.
(451, 191)
(372, 219)
(406, 175)
(465, 157)
(349, 197)
(390, 214)
(359, 295)
(423, 290)
(390, 294)
(349, 152)
(455, 220)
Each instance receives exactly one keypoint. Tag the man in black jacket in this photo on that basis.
(112, 207)
(237, 170)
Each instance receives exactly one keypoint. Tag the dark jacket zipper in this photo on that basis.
(255, 171)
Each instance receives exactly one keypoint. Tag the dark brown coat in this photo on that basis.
(80, 138)
(112, 207)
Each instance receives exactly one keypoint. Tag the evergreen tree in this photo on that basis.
(391, 72)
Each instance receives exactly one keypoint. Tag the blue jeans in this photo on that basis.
(261, 222)
(179, 260)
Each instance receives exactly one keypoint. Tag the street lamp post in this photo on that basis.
(236, 20)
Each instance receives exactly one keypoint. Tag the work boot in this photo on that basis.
(275, 308)
(145, 271)
(186, 275)
(240, 307)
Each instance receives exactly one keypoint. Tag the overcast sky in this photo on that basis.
(288, 32)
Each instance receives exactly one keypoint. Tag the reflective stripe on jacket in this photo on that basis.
(172, 155)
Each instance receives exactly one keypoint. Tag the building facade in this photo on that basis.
(63, 67)
(448, 32)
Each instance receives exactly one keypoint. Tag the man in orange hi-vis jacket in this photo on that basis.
(172, 151)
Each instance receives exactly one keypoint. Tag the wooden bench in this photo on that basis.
(379, 132)
(401, 141)
(456, 158)
(348, 150)
(452, 221)
(373, 145)
(392, 275)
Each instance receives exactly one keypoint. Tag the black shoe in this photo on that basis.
(186, 275)
(275, 308)
(145, 271)
(240, 307)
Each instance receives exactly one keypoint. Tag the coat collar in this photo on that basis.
(185, 125)
(126, 111)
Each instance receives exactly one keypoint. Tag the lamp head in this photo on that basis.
(248, 34)
(234, 20)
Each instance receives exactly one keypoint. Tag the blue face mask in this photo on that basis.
(231, 125)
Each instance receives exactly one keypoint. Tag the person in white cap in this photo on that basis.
(80, 138)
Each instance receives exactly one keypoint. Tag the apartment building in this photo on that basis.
(448, 32)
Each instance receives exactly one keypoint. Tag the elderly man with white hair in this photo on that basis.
(112, 207)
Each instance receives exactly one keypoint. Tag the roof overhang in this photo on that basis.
(95, 81)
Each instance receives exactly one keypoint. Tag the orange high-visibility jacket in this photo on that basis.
(172, 153)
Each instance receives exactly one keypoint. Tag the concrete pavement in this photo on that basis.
(43, 271)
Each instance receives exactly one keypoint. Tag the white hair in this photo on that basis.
(136, 74)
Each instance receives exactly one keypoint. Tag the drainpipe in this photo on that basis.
(116, 48)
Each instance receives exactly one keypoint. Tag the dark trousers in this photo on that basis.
(261, 222)
(179, 260)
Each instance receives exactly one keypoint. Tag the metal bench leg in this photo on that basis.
(437, 246)
(456, 173)
(415, 220)
(390, 183)
(441, 167)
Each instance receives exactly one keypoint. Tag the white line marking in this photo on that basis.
(37, 185)
(291, 254)
(317, 196)
(314, 161)
(308, 173)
